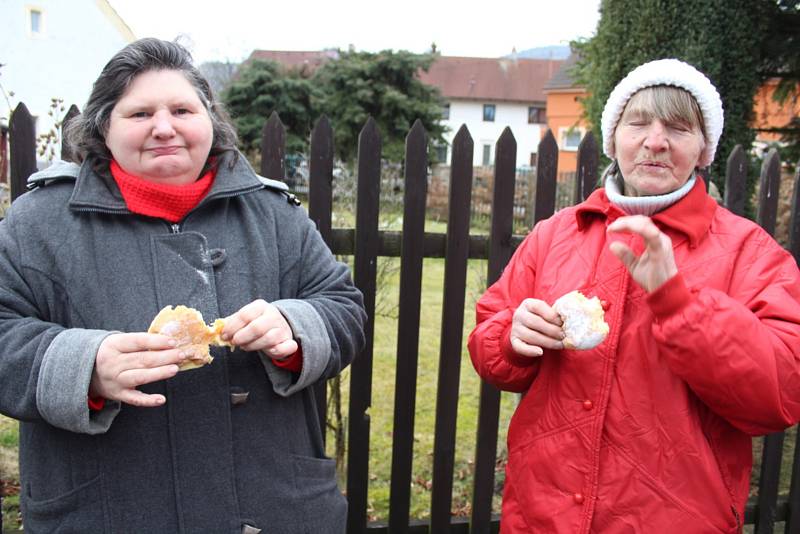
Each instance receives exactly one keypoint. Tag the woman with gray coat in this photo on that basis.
(164, 211)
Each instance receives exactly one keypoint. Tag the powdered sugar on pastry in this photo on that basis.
(187, 327)
(583, 318)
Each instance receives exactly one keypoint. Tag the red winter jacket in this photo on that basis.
(650, 431)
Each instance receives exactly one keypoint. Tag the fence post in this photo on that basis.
(66, 150)
(736, 181)
(273, 148)
(22, 144)
(586, 174)
(367, 241)
(773, 443)
(489, 403)
(455, 280)
(415, 194)
(320, 207)
(546, 167)
(793, 515)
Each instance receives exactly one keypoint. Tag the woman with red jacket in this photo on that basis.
(649, 431)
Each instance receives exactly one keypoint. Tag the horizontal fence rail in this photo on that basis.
(365, 242)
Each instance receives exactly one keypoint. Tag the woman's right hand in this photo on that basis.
(534, 327)
(125, 361)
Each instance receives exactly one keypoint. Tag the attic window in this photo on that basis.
(35, 21)
(488, 112)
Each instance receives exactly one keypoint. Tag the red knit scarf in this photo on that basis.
(168, 202)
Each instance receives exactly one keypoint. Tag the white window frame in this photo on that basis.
(29, 10)
(563, 134)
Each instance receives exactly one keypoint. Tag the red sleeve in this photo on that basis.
(738, 350)
(293, 363)
(489, 343)
(96, 403)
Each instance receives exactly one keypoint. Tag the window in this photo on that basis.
(441, 153)
(35, 21)
(488, 112)
(536, 115)
(446, 111)
(487, 155)
(534, 159)
(571, 138)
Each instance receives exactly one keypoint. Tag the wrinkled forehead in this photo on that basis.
(666, 103)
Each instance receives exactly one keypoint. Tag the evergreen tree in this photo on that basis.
(721, 38)
(384, 86)
(263, 87)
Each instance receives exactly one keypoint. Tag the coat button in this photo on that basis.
(239, 398)
(588, 405)
(605, 305)
(578, 498)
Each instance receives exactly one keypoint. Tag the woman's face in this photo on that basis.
(656, 156)
(159, 130)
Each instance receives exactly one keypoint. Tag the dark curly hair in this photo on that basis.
(86, 133)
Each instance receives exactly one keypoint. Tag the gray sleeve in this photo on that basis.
(63, 383)
(309, 330)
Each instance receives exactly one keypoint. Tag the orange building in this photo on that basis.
(565, 115)
(769, 114)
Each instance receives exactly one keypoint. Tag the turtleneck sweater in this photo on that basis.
(164, 201)
(644, 205)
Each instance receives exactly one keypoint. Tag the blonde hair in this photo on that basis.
(666, 103)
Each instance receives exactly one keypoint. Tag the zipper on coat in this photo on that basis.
(175, 228)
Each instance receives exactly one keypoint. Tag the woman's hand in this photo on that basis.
(260, 326)
(534, 327)
(656, 265)
(125, 361)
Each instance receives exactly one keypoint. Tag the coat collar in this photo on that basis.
(690, 216)
(101, 193)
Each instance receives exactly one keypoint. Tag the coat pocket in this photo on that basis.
(79, 510)
(324, 506)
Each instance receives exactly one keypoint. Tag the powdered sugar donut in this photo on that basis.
(583, 318)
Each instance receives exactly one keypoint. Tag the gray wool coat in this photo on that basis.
(237, 447)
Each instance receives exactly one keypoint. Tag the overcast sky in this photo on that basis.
(229, 30)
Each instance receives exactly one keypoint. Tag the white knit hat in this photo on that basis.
(666, 72)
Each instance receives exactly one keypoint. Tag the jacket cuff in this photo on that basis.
(310, 332)
(669, 298)
(63, 383)
(511, 355)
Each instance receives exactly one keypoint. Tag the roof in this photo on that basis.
(503, 79)
(293, 59)
(470, 78)
(563, 78)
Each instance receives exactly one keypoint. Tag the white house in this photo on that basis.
(487, 95)
(55, 49)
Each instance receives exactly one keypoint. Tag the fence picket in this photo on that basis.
(273, 148)
(794, 220)
(586, 172)
(773, 443)
(66, 152)
(455, 279)
(770, 182)
(22, 148)
(489, 404)
(414, 197)
(320, 208)
(546, 171)
(793, 513)
(736, 181)
(364, 274)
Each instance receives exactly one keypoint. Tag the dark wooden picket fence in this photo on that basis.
(366, 243)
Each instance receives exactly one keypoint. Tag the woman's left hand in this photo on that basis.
(260, 326)
(656, 265)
